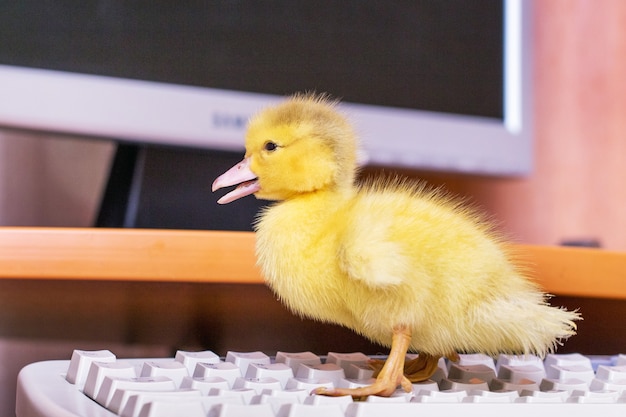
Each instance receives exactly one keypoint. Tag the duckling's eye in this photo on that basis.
(270, 146)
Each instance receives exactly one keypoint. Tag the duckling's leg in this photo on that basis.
(390, 376)
(416, 370)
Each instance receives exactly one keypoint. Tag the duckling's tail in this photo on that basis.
(526, 324)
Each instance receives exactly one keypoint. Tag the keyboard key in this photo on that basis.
(342, 401)
(226, 370)
(565, 360)
(164, 408)
(468, 373)
(354, 383)
(518, 360)
(279, 371)
(355, 371)
(299, 394)
(542, 397)
(204, 384)
(611, 373)
(570, 373)
(309, 384)
(306, 410)
(81, 362)
(122, 395)
(243, 359)
(365, 409)
(98, 370)
(173, 370)
(345, 360)
(257, 384)
(497, 384)
(237, 410)
(396, 397)
(440, 397)
(474, 359)
(191, 359)
(568, 386)
(472, 384)
(275, 402)
(427, 385)
(210, 400)
(490, 397)
(245, 394)
(599, 385)
(517, 373)
(131, 402)
(604, 360)
(293, 360)
(609, 378)
(112, 384)
(328, 371)
(593, 397)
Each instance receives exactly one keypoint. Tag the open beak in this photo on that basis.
(241, 176)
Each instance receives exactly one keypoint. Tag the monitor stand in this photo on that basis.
(170, 188)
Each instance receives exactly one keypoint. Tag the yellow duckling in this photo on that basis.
(401, 264)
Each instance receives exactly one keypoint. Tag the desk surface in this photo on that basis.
(228, 257)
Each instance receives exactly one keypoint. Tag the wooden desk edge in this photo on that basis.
(219, 256)
(128, 254)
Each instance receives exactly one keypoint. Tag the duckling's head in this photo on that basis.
(299, 146)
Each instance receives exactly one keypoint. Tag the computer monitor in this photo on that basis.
(430, 84)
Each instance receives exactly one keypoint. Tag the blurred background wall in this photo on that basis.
(576, 190)
(50, 180)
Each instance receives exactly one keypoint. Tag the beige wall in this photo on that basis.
(578, 187)
(50, 181)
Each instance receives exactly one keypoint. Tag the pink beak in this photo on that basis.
(239, 175)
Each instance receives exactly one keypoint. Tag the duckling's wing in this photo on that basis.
(369, 253)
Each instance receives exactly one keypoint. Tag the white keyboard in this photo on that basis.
(97, 384)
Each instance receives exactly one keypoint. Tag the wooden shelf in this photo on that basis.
(228, 257)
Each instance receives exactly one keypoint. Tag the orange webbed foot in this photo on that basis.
(421, 368)
(391, 374)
